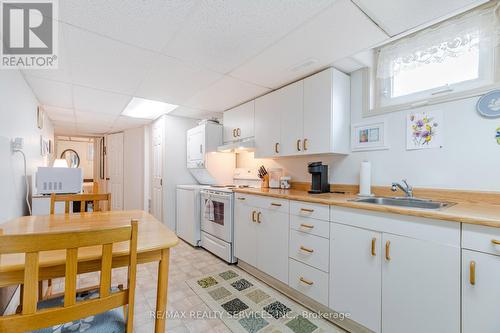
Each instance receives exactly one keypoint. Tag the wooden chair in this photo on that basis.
(82, 198)
(37, 315)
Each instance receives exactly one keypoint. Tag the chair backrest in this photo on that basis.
(82, 198)
(32, 244)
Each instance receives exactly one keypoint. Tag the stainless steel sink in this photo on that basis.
(406, 202)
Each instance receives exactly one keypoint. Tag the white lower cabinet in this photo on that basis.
(356, 274)
(420, 286)
(308, 280)
(480, 292)
(261, 234)
(272, 243)
(245, 231)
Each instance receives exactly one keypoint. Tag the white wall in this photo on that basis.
(81, 148)
(18, 119)
(469, 159)
(174, 166)
(133, 168)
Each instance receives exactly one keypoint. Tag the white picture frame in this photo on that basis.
(367, 136)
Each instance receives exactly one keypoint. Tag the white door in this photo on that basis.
(267, 126)
(480, 292)
(291, 107)
(245, 238)
(420, 286)
(356, 274)
(239, 122)
(272, 243)
(157, 169)
(318, 113)
(115, 170)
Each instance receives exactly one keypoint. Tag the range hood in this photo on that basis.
(238, 146)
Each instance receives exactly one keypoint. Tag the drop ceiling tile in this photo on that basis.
(59, 114)
(50, 92)
(96, 119)
(173, 82)
(397, 16)
(224, 94)
(338, 32)
(123, 123)
(104, 63)
(99, 101)
(62, 73)
(186, 112)
(221, 35)
(148, 24)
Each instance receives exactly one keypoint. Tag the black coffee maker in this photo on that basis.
(319, 174)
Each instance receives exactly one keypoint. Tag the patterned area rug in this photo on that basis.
(249, 306)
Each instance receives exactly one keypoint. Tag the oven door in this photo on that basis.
(216, 214)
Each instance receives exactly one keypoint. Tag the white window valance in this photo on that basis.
(477, 29)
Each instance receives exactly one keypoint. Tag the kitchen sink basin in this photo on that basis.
(406, 202)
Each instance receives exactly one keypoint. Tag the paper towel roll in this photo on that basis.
(365, 179)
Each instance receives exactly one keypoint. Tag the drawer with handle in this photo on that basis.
(309, 249)
(309, 281)
(310, 226)
(481, 238)
(315, 211)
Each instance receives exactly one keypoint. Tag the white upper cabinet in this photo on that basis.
(267, 126)
(291, 100)
(397, 16)
(311, 116)
(327, 113)
(239, 122)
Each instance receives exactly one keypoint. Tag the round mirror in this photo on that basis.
(71, 158)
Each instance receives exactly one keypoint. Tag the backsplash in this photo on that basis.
(468, 160)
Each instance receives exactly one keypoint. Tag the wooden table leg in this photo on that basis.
(161, 297)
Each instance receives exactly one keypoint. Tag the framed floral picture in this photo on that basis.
(369, 136)
(424, 130)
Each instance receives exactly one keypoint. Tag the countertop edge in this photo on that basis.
(430, 214)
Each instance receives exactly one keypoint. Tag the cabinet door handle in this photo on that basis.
(276, 204)
(298, 144)
(472, 272)
(305, 249)
(374, 241)
(258, 217)
(234, 132)
(276, 148)
(238, 132)
(495, 242)
(253, 216)
(308, 226)
(241, 198)
(309, 283)
(305, 144)
(201, 149)
(307, 210)
(388, 250)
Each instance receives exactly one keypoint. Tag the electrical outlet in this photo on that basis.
(17, 144)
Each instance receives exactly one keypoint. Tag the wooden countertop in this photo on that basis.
(487, 214)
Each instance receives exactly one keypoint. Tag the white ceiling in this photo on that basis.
(204, 55)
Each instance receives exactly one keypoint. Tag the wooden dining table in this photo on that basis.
(153, 245)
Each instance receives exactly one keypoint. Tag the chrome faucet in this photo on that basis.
(406, 188)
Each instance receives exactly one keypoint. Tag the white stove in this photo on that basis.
(217, 213)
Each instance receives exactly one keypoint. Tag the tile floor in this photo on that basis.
(186, 263)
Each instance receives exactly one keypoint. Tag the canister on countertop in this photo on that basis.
(285, 182)
(275, 175)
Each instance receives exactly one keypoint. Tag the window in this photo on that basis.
(453, 57)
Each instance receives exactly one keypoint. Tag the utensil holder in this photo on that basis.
(265, 182)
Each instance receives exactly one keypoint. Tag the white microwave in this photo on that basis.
(59, 180)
